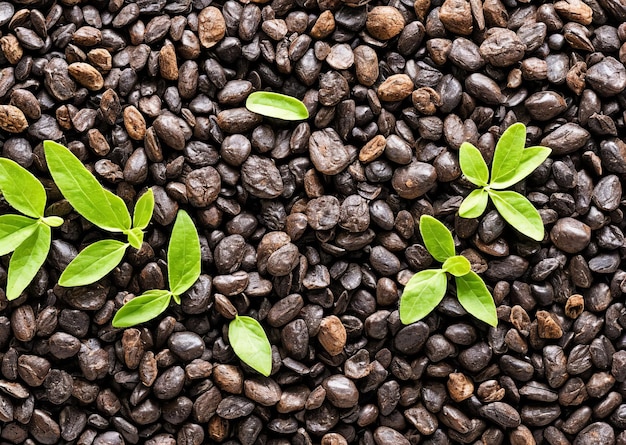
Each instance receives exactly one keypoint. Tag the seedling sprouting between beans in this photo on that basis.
(511, 163)
(426, 289)
(28, 237)
(277, 105)
(100, 207)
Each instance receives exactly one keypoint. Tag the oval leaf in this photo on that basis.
(135, 237)
(532, 157)
(422, 294)
(473, 165)
(14, 230)
(143, 210)
(84, 192)
(519, 212)
(27, 259)
(475, 298)
(457, 265)
(437, 238)
(141, 309)
(250, 343)
(277, 105)
(474, 204)
(53, 221)
(183, 254)
(508, 153)
(21, 189)
(93, 263)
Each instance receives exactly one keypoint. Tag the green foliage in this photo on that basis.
(426, 289)
(248, 340)
(183, 269)
(277, 105)
(28, 237)
(511, 163)
(102, 208)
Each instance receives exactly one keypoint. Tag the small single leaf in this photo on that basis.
(519, 212)
(277, 105)
(508, 153)
(475, 298)
(183, 254)
(473, 165)
(84, 192)
(143, 308)
(422, 294)
(135, 237)
(93, 263)
(474, 204)
(27, 259)
(457, 265)
(14, 230)
(437, 238)
(143, 210)
(53, 221)
(21, 189)
(250, 343)
(532, 157)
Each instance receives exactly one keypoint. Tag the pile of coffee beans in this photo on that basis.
(311, 226)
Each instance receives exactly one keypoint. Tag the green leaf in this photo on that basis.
(532, 157)
(183, 254)
(473, 165)
(422, 294)
(277, 105)
(250, 343)
(21, 189)
(53, 221)
(437, 238)
(519, 212)
(84, 192)
(457, 265)
(508, 153)
(475, 298)
(143, 308)
(143, 210)
(474, 204)
(93, 263)
(135, 237)
(27, 259)
(14, 230)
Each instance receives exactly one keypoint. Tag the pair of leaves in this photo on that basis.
(277, 105)
(425, 290)
(511, 163)
(28, 237)
(100, 207)
(183, 269)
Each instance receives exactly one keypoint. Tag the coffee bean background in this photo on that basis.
(311, 227)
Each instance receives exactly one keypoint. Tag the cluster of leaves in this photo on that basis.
(100, 207)
(426, 289)
(29, 236)
(511, 163)
(277, 105)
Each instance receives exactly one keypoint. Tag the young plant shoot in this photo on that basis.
(511, 163)
(248, 340)
(277, 105)
(100, 207)
(426, 289)
(183, 269)
(28, 237)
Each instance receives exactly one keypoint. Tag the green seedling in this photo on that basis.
(277, 105)
(183, 269)
(248, 340)
(100, 207)
(28, 237)
(511, 163)
(426, 289)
